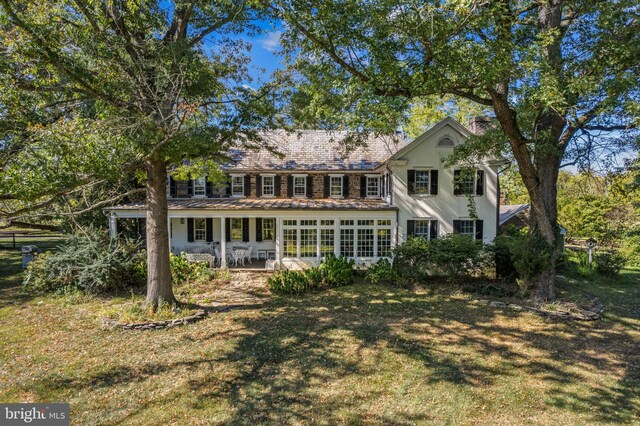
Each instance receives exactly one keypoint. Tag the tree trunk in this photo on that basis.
(159, 288)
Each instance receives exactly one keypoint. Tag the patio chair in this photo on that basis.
(249, 253)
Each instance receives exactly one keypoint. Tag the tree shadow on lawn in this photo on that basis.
(290, 357)
(346, 354)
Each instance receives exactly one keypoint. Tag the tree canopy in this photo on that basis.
(552, 72)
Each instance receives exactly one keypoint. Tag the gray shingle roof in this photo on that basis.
(267, 204)
(315, 150)
(511, 210)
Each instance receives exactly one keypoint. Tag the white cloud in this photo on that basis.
(272, 41)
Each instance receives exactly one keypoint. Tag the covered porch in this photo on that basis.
(290, 234)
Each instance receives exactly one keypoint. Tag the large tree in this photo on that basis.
(552, 72)
(97, 92)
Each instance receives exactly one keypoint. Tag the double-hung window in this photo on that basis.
(425, 228)
(468, 182)
(268, 186)
(236, 229)
(422, 182)
(237, 185)
(373, 186)
(467, 227)
(472, 228)
(268, 229)
(335, 186)
(199, 187)
(199, 229)
(299, 186)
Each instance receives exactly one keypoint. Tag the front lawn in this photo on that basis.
(358, 355)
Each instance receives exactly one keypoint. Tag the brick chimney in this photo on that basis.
(479, 125)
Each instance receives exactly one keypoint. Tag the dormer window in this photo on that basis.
(336, 186)
(373, 186)
(299, 186)
(200, 187)
(268, 186)
(237, 185)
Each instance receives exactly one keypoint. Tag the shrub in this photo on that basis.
(289, 282)
(382, 272)
(91, 262)
(609, 263)
(332, 272)
(337, 271)
(452, 257)
(183, 271)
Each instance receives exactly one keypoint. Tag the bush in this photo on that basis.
(452, 257)
(609, 263)
(382, 272)
(91, 262)
(337, 271)
(332, 272)
(183, 271)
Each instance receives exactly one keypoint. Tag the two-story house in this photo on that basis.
(314, 200)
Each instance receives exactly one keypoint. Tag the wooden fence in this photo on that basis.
(15, 240)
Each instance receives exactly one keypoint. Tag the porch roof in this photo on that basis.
(266, 204)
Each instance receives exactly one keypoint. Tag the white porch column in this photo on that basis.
(113, 225)
(223, 243)
(169, 233)
(278, 242)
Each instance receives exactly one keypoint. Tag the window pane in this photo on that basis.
(421, 228)
(236, 229)
(373, 186)
(365, 242)
(422, 182)
(328, 222)
(267, 185)
(308, 222)
(299, 186)
(466, 227)
(384, 222)
(346, 242)
(365, 223)
(384, 242)
(308, 242)
(289, 237)
(336, 186)
(237, 185)
(346, 222)
(199, 186)
(200, 229)
(326, 241)
(268, 229)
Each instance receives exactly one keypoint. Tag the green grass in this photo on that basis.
(361, 354)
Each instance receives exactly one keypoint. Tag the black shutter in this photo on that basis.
(457, 185)
(479, 226)
(245, 229)
(258, 229)
(277, 185)
(290, 186)
(190, 188)
(480, 182)
(411, 226)
(345, 186)
(209, 229)
(227, 228)
(411, 182)
(172, 187)
(456, 226)
(363, 186)
(327, 186)
(258, 186)
(209, 187)
(228, 189)
(434, 182)
(433, 229)
(247, 185)
(310, 186)
(190, 229)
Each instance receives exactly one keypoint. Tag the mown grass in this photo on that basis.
(362, 354)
